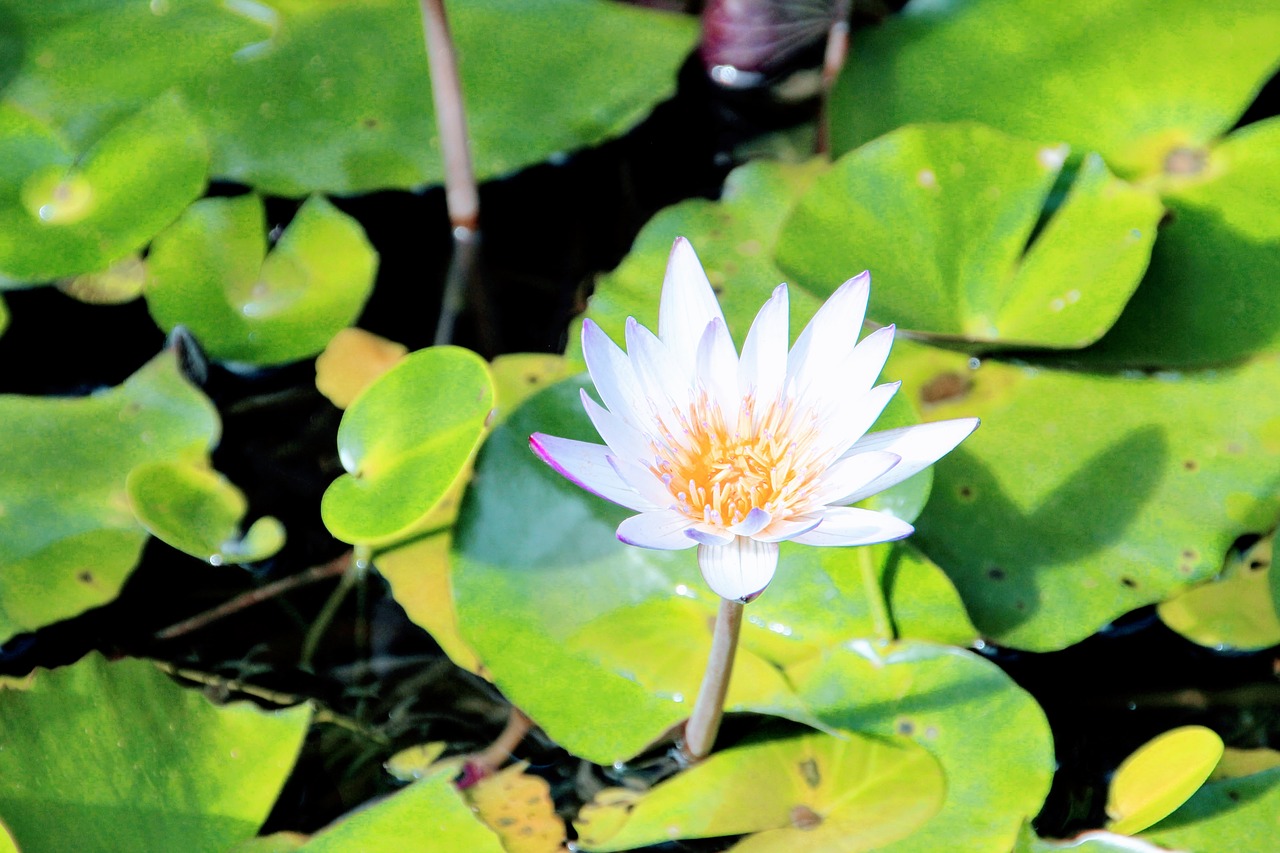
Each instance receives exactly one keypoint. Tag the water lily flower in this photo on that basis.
(734, 454)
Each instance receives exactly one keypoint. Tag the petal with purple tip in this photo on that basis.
(587, 465)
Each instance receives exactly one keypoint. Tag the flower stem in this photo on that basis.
(708, 708)
(873, 589)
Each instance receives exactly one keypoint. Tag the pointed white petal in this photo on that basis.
(662, 530)
(740, 570)
(919, 446)
(849, 475)
(626, 441)
(614, 378)
(844, 525)
(756, 520)
(718, 369)
(763, 367)
(781, 529)
(705, 534)
(661, 378)
(687, 305)
(644, 481)
(831, 334)
(852, 418)
(587, 465)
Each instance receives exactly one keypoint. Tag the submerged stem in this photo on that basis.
(708, 708)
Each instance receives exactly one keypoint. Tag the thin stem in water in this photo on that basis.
(708, 708)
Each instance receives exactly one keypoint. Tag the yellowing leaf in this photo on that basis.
(1235, 609)
(351, 361)
(518, 376)
(518, 808)
(1152, 782)
(121, 282)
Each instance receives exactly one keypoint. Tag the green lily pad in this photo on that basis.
(114, 756)
(1209, 296)
(1095, 841)
(1131, 79)
(1147, 465)
(63, 212)
(211, 273)
(300, 97)
(119, 283)
(942, 216)
(1233, 814)
(923, 601)
(198, 511)
(735, 237)
(809, 793)
(1160, 776)
(1237, 609)
(68, 536)
(990, 736)
(538, 574)
(425, 817)
(405, 441)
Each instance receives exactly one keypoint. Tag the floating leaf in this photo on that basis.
(405, 441)
(1209, 296)
(1152, 782)
(289, 112)
(1234, 814)
(518, 807)
(518, 376)
(1163, 483)
(1244, 762)
(119, 283)
(426, 817)
(960, 707)
(211, 273)
(417, 762)
(197, 511)
(421, 581)
(1236, 610)
(809, 793)
(276, 842)
(1132, 79)
(351, 360)
(923, 601)
(127, 760)
(1095, 841)
(942, 216)
(63, 213)
(68, 537)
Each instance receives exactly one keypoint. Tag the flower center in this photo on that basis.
(718, 472)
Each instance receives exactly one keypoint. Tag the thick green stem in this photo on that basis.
(708, 708)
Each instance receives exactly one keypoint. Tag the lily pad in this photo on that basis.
(960, 707)
(405, 441)
(114, 756)
(1160, 776)
(300, 97)
(556, 584)
(1234, 814)
(1237, 609)
(944, 215)
(68, 536)
(1209, 296)
(809, 793)
(426, 817)
(1131, 79)
(1094, 841)
(922, 600)
(198, 511)
(65, 210)
(351, 360)
(1147, 465)
(211, 273)
(119, 283)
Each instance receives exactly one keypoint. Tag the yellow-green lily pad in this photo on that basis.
(814, 792)
(211, 272)
(1160, 776)
(405, 441)
(1237, 609)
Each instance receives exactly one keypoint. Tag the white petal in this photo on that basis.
(855, 375)
(645, 482)
(781, 529)
(853, 417)
(614, 378)
(740, 570)
(705, 534)
(763, 367)
(844, 525)
(661, 378)
(850, 474)
(687, 305)
(587, 465)
(831, 334)
(919, 446)
(756, 520)
(626, 441)
(718, 369)
(662, 530)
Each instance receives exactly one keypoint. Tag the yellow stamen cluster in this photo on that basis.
(718, 472)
